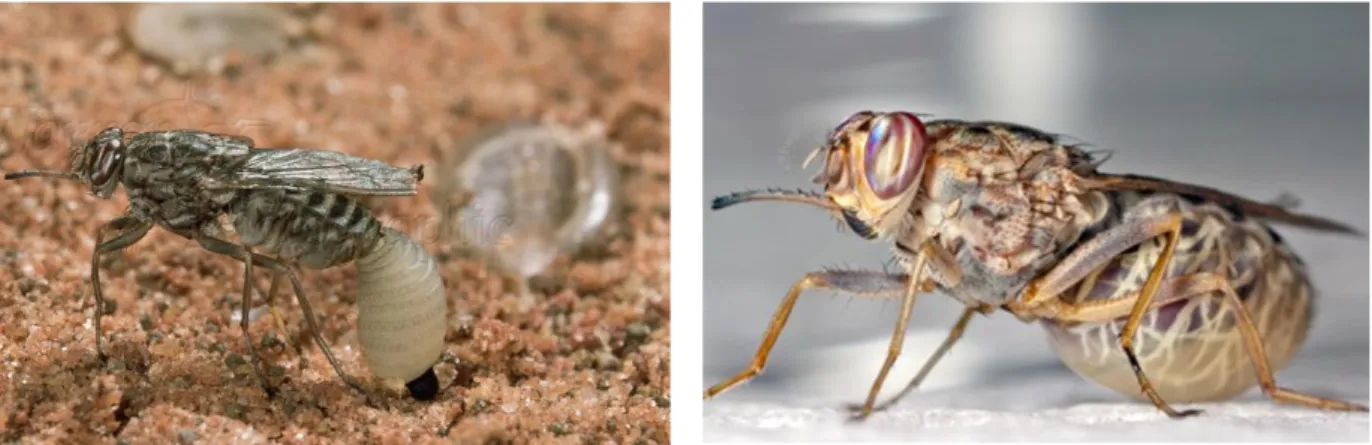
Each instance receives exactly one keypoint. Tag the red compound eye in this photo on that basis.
(894, 153)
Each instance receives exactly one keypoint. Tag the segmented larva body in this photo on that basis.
(401, 308)
(401, 305)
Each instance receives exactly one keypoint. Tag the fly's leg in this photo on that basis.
(276, 317)
(130, 229)
(310, 322)
(898, 337)
(1040, 297)
(229, 249)
(1193, 286)
(953, 336)
(1258, 354)
(1106, 311)
(859, 283)
(1131, 326)
(245, 255)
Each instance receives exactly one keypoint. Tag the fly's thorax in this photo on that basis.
(165, 173)
(1004, 215)
(173, 196)
(188, 149)
(318, 230)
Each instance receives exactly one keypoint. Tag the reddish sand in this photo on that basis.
(587, 362)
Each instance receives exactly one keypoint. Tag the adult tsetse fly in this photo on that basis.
(285, 207)
(1161, 290)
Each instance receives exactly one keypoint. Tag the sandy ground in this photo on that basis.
(587, 362)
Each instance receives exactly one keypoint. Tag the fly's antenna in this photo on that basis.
(773, 194)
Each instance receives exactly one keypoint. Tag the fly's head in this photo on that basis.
(873, 162)
(99, 164)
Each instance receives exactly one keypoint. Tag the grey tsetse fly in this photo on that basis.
(287, 206)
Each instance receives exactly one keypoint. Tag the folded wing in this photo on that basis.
(319, 170)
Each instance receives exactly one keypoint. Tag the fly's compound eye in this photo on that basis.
(105, 161)
(894, 153)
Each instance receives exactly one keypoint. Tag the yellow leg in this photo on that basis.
(276, 316)
(1141, 306)
(897, 337)
(953, 336)
(860, 283)
(1253, 341)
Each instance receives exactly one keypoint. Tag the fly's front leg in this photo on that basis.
(1039, 296)
(129, 230)
(907, 306)
(859, 283)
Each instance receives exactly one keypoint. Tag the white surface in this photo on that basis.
(1258, 421)
(978, 393)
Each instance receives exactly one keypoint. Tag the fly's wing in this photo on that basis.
(319, 170)
(1277, 212)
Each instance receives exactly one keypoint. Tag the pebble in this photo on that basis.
(190, 37)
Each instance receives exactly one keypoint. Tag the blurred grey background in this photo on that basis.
(1256, 99)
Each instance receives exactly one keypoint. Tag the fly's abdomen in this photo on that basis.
(317, 230)
(1192, 350)
(401, 304)
(401, 311)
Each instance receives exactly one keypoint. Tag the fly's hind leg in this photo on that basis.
(859, 283)
(130, 229)
(1202, 285)
(226, 248)
(1041, 296)
(1252, 339)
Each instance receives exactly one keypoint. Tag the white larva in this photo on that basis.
(401, 312)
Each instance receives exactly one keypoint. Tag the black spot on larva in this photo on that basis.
(316, 199)
(424, 387)
(978, 130)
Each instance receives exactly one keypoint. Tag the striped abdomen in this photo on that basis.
(1192, 350)
(317, 230)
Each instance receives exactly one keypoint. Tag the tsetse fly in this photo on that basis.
(1160, 290)
(287, 207)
